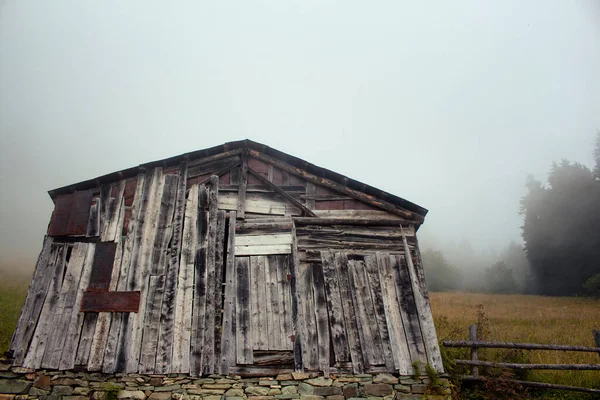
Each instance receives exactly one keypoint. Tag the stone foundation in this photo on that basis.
(18, 383)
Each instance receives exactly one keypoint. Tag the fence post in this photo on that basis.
(596, 334)
(473, 338)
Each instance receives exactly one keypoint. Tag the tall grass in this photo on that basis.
(530, 319)
(12, 297)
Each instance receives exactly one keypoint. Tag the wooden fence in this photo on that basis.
(475, 363)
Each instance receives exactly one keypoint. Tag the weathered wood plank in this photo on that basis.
(228, 337)
(408, 310)
(166, 253)
(311, 362)
(321, 318)
(140, 270)
(115, 211)
(199, 305)
(149, 343)
(364, 313)
(244, 338)
(417, 279)
(36, 295)
(263, 306)
(219, 261)
(398, 342)
(259, 204)
(54, 269)
(64, 307)
(311, 191)
(216, 157)
(375, 289)
(69, 351)
(114, 350)
(85, 339)
(263, 249)
(285, 297)
(281, 238)
(296, 303)
(241, 200)
(352, 332)
(208, 353)
(334, 306)
(275, 302)
(182, 325)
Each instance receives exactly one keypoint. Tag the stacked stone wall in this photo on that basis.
(18, 383)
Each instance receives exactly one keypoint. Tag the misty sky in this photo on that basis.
(447, 104)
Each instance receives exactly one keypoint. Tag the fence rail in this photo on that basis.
(475, 363)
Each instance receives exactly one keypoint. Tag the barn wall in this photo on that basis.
(200, 268)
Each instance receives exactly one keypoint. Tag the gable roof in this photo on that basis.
(249, 145)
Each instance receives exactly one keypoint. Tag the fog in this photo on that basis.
(449, 105)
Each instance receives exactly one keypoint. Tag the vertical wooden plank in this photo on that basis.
(116, 211)
(208, 353)
(182, 325)
(272, 303)
(255, 306)
(398, 341)
(72, 339)
(283, 270)
(199, 305)
(103, 210)
(64, 307)
(311, 190)
(408, 310)
(36, 295)
(322, 330)
(417, 279)
(334, 306)
(115, 351)
(310, 355)
(366, 313)
(296, 303)
(228, 338)
(156, 289)
(139, 272)
(261, 338)
(352, 333)
(243, 330)
(241, 208)
(159, 263)
(219, 261)
(376, 295)
(55, 271)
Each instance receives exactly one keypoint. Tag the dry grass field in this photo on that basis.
(530, 319)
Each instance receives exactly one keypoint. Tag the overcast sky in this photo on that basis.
(447, 104)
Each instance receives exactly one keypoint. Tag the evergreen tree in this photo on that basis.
(561, 228)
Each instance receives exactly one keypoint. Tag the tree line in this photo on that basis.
(561, 236)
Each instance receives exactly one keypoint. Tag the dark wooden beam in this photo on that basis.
(351, 221)
(221, 172)
(384, 205)
(282, 192)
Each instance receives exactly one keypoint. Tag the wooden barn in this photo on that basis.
(237, 259)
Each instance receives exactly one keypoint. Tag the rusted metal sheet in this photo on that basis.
(60, 215)
(103, 265)
(80, 213)
(94, 301)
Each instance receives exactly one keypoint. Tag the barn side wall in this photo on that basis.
(19, 383)
(204, 267)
